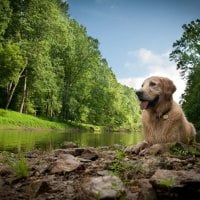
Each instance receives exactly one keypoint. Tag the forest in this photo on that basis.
(50, 67)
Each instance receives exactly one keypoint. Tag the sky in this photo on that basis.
(136, 36)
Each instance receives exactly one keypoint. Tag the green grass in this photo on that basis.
(17, 163)
(12, 119)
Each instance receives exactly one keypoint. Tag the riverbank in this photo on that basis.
(15, 120)
(101, 173)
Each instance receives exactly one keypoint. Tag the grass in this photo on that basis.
(123, 168)
(183, 150)
(12, 119)
(17, 163)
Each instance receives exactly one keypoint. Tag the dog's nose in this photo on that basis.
(139, 93)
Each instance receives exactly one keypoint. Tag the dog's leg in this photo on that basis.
(135, 149)
(154, 149)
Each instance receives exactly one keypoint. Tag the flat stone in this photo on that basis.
(176, 184)
(103, 187)
(68, 164)
(175, 178)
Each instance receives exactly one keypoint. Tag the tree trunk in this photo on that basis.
(12, 88)
(24, 94)
(10, 95)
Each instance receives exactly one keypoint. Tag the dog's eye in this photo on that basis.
(152, 84)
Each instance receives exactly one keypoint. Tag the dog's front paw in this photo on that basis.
(132, 149)
(135, 149)
(154, 149)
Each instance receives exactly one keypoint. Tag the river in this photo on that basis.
(18, 140)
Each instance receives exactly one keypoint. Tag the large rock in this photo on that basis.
(103, 187)
(69, 163)
(170, 184)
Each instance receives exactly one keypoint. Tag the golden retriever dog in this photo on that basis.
(163, 120)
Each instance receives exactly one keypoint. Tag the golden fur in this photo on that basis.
(162, 118)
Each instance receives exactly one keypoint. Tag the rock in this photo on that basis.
(176, 184)
(131, 196)
(1, 182)
(146, 190)
(64, 189)
(89, 155)
(72, 151)
(68, 164)
(5, 170)
(84, 173)
(38, 187)
(149, 164)
(103, 187)
(103, 173)
(39, 168)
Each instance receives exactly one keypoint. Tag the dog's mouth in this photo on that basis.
(148, 104)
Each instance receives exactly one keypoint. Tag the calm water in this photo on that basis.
(14, 141)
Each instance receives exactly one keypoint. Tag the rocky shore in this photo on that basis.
(102, 173)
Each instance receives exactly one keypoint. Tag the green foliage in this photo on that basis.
(186, 54)
(190, 101)
(178, 151)
(5, 15)
(183, 150)
(17, 163)
(123, 168)
(167, 182)
(11, 63)
(120, 167)
(50, 67)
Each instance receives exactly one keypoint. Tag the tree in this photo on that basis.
(77, 60)
(50, 67)
(5, 15)
(186, 54)
(36, 26)
(12, 65)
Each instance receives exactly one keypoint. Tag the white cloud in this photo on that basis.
(152, 64)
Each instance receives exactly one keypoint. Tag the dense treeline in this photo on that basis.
(50, 67)
(186, 54)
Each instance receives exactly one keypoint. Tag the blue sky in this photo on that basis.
(136, 36)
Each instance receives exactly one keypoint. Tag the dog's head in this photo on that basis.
(155, 90)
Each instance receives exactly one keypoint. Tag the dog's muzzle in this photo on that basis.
(146, 102)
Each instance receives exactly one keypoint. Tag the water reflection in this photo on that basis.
(28, 140)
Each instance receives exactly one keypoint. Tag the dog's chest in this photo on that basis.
(157, 123)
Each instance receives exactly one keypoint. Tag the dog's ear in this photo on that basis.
(168, 87)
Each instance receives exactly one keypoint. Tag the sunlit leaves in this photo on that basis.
(12, 61)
